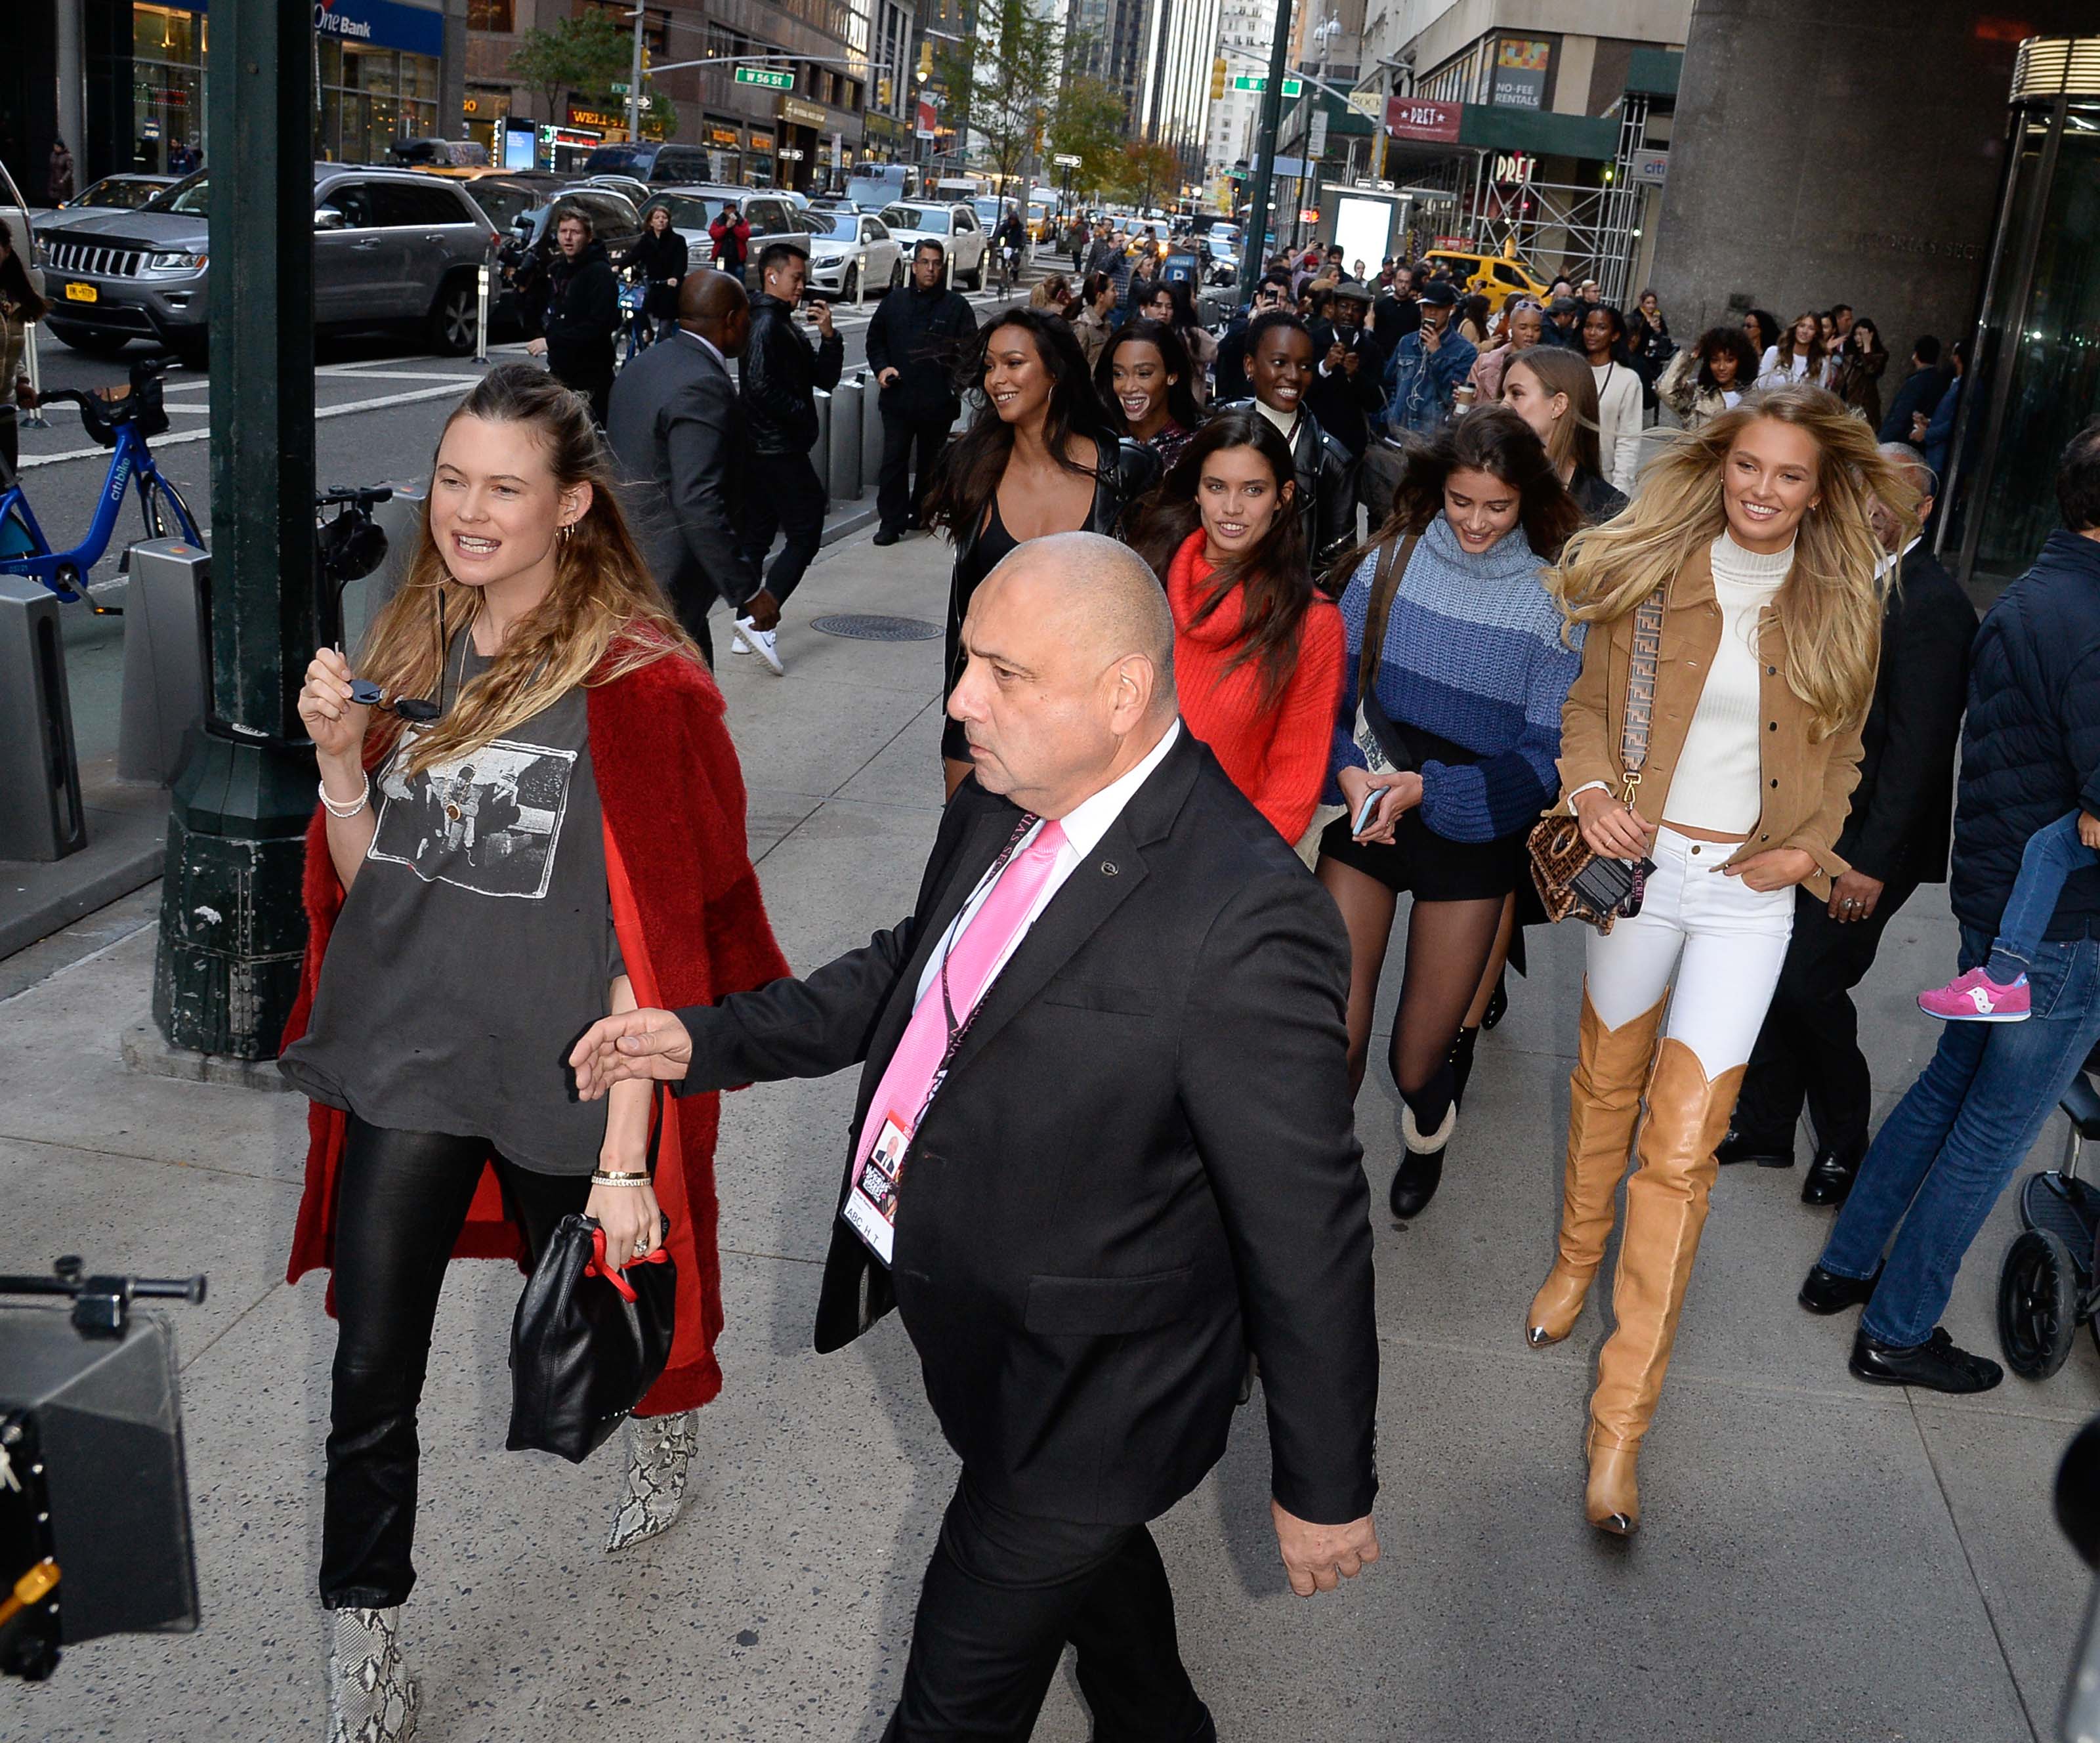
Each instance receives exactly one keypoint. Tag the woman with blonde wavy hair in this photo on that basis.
(530, 815)
(1752, 539)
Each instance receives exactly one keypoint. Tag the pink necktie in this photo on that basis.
(910, 1074)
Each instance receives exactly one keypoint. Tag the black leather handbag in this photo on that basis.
(587, 1343)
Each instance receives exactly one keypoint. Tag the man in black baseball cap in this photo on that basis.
(1564, 318)
(1428, 366)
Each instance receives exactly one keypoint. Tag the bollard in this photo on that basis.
(41, 816)
(481, 314)
(844, 481)
(400, 518)
(870, 430)
(33, 420)
(820, 456)
(164, 658)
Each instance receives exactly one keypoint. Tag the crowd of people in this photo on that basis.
(1219, 690)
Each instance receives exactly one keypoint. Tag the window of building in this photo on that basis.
(490, 15)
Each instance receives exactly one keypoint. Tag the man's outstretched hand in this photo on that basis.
(631, 1044)
(1318, 1558)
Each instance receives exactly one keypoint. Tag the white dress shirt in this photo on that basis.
(1085, 824)
(709, 346)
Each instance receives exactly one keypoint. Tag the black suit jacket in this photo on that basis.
(1903, 810)
(680, 435)
(1143, 1161)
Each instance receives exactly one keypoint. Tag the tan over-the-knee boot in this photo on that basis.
(1604, 1102)
(1665, 1209)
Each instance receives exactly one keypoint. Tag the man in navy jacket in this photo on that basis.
(2030, 753)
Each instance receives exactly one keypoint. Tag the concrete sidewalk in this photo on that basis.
(1819, 1560)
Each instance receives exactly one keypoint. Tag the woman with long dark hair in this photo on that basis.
(1856, 379)
(1747, 572)
(562, 837)
(1144, 381)
(1171, 303)
(1554, 392)
(1039, 457)
(1761, 327)
(1711, 378)
(1603, 334)
(1445, 759)
(1257, 647)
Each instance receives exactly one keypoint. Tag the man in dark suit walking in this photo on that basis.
(1895, 839)
(1104, 1147)
(680, 435)
(916, 339)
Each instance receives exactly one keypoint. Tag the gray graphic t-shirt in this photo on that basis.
(474, 947)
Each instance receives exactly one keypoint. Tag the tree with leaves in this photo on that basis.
(1146, 174)
(1089, 121)
(1001, 84)
(587, 54)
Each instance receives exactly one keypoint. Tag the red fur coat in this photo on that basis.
(692, 928)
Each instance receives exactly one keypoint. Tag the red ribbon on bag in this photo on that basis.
(656, 1255)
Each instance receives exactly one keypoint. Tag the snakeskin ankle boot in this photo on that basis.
(658, 1448)
(371, 1699)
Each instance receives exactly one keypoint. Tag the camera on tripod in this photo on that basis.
(94, 1517)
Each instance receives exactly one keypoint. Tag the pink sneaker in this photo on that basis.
(1975, 998)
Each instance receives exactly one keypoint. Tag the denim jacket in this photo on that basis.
(1420, 383)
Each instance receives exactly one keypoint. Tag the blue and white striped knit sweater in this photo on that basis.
(1472, 654)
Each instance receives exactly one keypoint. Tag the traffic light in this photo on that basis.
(925, 58)
(1217, 78)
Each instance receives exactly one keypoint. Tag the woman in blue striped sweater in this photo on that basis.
(1446, 763)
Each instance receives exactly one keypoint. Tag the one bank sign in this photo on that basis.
(384, 24)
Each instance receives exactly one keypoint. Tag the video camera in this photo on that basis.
(94, 1522)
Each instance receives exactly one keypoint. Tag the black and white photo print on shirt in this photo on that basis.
(488, 822)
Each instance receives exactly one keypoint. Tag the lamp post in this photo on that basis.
(1255, 257)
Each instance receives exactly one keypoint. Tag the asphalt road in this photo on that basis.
(379, 403)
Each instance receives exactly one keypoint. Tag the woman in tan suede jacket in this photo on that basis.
(1755, 531)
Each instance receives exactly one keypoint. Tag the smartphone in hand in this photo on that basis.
(1368, 810)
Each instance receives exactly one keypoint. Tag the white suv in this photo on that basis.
(954, 226)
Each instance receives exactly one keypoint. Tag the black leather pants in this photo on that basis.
(401, 1200)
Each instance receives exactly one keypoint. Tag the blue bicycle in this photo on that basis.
(122, 422)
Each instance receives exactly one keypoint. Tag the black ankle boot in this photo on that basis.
(1421, 1169)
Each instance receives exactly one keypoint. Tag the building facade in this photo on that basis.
(1157, 54)
(1245, 30)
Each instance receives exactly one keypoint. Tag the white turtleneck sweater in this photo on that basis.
(1718, 784)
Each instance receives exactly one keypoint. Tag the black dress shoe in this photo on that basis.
(1414, 1182)
(1743, 1146)
(1831, 1175)
(1935, 1365)
(1826, 1292)
(884, 536)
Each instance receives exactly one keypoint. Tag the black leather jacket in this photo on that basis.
(1326, 486)
(777, 376)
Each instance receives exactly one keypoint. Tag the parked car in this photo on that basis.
(531, 238)
(391, 246)
(849, 250)
(955, 227)
(775, 214)
(504, 194)
(123, 193)
(635, 189)
(454, 154)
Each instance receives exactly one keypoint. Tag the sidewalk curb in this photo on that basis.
(111, 884)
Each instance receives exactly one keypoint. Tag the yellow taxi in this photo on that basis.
(1498, 277)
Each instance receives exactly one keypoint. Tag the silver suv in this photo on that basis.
(390, 247)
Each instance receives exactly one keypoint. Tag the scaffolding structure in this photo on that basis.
(1556, 231)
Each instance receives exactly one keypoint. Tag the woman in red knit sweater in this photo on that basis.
(1257, 650)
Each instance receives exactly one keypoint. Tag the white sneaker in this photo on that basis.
(750, 640)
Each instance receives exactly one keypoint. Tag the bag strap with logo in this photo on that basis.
(1641, 668)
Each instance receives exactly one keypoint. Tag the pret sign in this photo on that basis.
(1422, 119)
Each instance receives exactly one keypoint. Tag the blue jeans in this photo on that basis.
(2051, 855)
(1960, 1131)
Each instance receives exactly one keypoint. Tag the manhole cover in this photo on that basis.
(871, 629)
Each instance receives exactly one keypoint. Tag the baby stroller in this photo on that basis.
(2046, 1287)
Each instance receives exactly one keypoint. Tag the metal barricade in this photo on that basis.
(164, 653)
(820, 456)
(870, 430)
(844, 484)
(40, 813)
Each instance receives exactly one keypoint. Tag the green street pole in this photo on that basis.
(1253, 257)
(232, 929)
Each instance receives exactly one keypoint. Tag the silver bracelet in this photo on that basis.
(345, 812)
(599, 1177)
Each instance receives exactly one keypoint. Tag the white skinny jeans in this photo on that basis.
(1720, 943)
